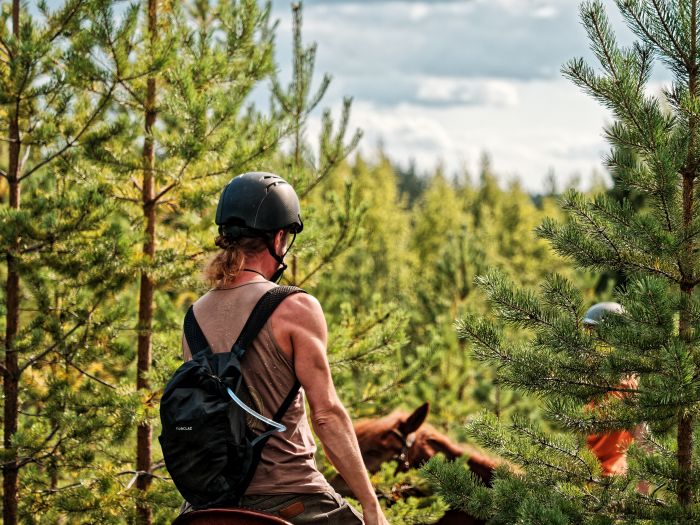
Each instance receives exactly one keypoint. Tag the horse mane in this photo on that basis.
(428, 431)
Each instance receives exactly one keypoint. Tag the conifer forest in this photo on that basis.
(121, 122)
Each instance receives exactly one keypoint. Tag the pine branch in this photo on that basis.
(332, 253)
(599, 205)
(362, 332)
(399, 381)
(94, 378)
(6, 47)
(631, 7)
(75, 139)
(557, 287)
(519, 307)
(25, 460)
(127, 199)
(51, 348)
(679, 50)
(460, 488)
(549, 445)
(56, 490)
(600, 35)
(603, 389)
(481, 333)
(65, 20)
(143, 473)
(564, 243)
(265, 148)
(354, 358)
(165, 190)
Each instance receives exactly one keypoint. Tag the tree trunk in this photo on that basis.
(144, 431)
(11, 382)
(684, 442)
(10, 469)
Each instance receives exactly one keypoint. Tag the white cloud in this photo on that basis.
(545, 11)
(419, 11)
(555, 127)
(469, 38)
(448, 80)
(534, 8)
(459, 91)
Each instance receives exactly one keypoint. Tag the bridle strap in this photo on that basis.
(402, 457)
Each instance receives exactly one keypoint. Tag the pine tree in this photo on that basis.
(180, 128)
(306, 168)
(70, 388)
(52, 100)
(655, 153)
(335, 210)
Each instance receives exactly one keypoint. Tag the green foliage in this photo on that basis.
(457, 475)
(654, 156)
(406, 497)
(391, 255)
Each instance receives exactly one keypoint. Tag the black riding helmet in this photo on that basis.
(259, 204)
(258, 201)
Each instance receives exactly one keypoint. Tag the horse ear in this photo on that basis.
(415, 420)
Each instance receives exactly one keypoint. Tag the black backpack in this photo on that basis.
(208, 449)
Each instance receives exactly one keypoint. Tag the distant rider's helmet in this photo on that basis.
(259, 204)
(597, 312)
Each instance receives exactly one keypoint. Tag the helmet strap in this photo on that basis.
(283, 266)
(278, 274)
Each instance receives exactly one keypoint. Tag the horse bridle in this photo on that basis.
(407, 442)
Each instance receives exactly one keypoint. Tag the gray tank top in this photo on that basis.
(287, 463)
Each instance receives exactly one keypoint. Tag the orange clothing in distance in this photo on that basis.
(611, 447)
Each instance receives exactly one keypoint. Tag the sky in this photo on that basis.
(445, 81)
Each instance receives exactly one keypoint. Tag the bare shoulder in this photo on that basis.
(301, 305)
(298, 319)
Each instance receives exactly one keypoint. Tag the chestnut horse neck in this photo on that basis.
(429, 442)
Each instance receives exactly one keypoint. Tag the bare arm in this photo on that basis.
(303, 316)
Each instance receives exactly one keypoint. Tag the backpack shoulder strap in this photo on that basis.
(259, 443)
(193, 333)
(262, 311)
(260, 314)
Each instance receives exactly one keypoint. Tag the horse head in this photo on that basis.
(390, 437)
(406, 438)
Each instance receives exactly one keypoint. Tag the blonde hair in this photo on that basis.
(228, 262)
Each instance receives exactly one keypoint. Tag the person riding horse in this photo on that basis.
(256, 214)
(611, 447)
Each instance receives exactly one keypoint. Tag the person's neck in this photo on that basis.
(246, 275)
(254, 271)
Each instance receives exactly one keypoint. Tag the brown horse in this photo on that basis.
(407, 439)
